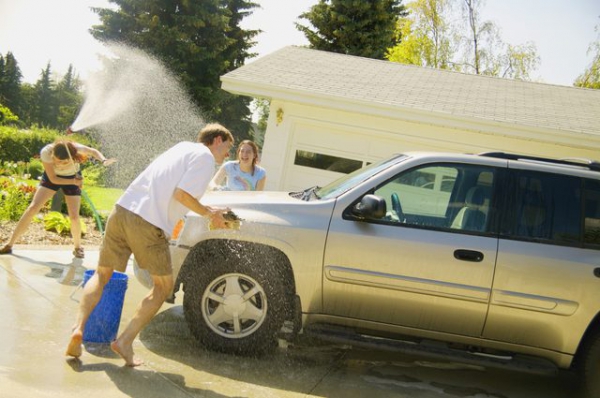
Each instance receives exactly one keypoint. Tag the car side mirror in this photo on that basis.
(370, 206)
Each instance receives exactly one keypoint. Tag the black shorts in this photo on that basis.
(68, 189)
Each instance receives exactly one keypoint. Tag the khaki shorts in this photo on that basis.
(128, 233)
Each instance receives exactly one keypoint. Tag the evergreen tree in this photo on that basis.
(45, 105)
(10, 83)
(2, 77)
(234, 111)
(362, 28)
(28, 100)
(197, 40)
(69, 98)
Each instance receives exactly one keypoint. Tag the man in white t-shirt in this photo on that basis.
(141, 223)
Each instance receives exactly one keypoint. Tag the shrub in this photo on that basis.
(14, 198)
(84, 209)
(22, 145)
(6, 116)
(55, 221)
(94, 175)
(36, 169)
(31, 170)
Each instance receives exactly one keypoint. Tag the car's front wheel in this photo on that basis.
(235, 307)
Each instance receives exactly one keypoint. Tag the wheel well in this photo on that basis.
(235, 251)
(592, 330)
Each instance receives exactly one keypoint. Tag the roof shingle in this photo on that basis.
(343, 77)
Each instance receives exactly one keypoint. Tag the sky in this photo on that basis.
(41, 31)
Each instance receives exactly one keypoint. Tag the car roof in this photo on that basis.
(577, 163)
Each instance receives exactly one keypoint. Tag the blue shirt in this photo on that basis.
(238, 180)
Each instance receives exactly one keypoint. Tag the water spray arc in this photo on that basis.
(136, 108)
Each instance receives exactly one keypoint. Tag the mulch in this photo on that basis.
(37, 235)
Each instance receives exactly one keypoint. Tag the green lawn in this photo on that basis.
(103, 198)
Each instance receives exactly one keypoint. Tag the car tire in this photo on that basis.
(589, 366)
(236, 306)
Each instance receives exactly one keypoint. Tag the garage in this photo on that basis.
(332, 113)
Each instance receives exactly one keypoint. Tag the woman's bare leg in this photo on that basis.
(92, 292)
(41, 196)
(73, 206)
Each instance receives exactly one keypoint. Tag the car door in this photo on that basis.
(421, 265)
(546, 290)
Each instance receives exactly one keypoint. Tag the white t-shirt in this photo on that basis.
(188, 166)
(68, 170)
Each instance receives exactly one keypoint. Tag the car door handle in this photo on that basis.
(468, 255)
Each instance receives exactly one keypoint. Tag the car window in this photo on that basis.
(592, 214)
(545, 207)
(343, 184)
(445, 196)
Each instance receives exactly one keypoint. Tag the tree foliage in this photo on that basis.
(590, 78)
(45, 106)
(10, 82)
(362, 28)
(197, 40)
(486, 54)
(48, 103)
(68, 95)
(6, 116)
(426, 39)
(433, 35)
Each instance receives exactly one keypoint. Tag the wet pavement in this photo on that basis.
(39, 298)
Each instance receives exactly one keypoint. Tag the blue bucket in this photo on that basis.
(103, 323)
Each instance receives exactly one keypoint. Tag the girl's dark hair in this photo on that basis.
(60, 151)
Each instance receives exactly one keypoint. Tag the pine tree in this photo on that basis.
(45, 106)
(362, 28)
(234, 110)
(69, 98)
(10, 83)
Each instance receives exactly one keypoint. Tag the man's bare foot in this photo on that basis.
(126, 353)
(74, 347)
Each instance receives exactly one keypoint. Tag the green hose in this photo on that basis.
(96, 215)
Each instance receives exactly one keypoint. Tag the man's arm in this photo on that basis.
(214, 215)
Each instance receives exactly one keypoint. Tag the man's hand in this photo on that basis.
(216, 220)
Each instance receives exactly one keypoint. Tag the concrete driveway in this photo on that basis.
(39, 297)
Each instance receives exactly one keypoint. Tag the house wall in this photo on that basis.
(376, 133)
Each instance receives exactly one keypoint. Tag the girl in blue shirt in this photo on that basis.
(242, 174)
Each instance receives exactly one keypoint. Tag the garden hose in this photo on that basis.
(94, 212)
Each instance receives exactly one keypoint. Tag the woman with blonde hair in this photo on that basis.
(61, 161)
(242, 174)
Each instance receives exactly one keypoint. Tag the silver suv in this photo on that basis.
(489, 258)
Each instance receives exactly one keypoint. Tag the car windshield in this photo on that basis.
(343, 184)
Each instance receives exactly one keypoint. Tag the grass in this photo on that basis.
(103, 198)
